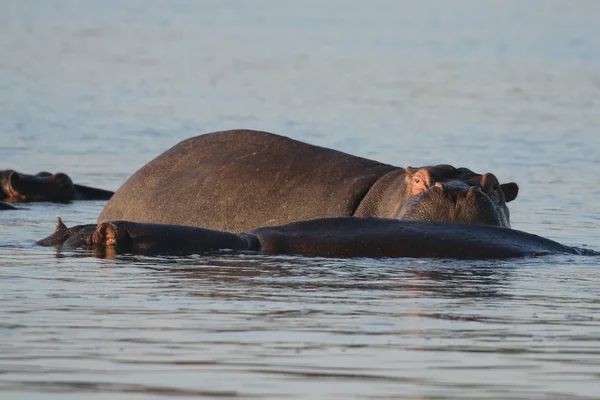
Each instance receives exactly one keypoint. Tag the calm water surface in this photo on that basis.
(97, 89)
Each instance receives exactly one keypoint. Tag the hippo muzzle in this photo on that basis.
(476, 201)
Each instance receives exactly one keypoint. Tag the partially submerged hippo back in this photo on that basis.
(241, 180)
(327, 237)
(6, 206)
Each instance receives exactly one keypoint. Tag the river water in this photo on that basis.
(96, 89)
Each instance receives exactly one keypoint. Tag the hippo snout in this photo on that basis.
(457, 201)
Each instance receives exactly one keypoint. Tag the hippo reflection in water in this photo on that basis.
(16, 187)
(256, 191)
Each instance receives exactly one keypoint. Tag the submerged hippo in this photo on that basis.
(241, 180)
(44, 186)
(6, 206)
(326, 237)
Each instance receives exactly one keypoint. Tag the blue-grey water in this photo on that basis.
(97, 88)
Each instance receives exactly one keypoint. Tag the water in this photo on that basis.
(98, 89)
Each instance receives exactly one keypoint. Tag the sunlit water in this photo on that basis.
(96, 89)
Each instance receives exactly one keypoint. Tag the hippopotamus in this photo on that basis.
(323, 237)
(6, 206)
(256, 191)
(17, 187)
(241, 180)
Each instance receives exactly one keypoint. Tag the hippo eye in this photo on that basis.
(493, 190)
(417, 180)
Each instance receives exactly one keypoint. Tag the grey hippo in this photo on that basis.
(241, 180)
(256, 191)
(17, 187)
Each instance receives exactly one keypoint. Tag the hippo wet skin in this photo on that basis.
(241, 180)
(327, 237)
(16, 187)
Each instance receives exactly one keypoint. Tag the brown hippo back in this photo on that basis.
(240, 180)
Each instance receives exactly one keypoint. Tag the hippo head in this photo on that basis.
(447, 194)
(17, 187)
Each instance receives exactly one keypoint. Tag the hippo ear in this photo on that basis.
(60, 226)
(14, 181)
(510, 191)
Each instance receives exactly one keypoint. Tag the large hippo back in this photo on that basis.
(240, 180)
